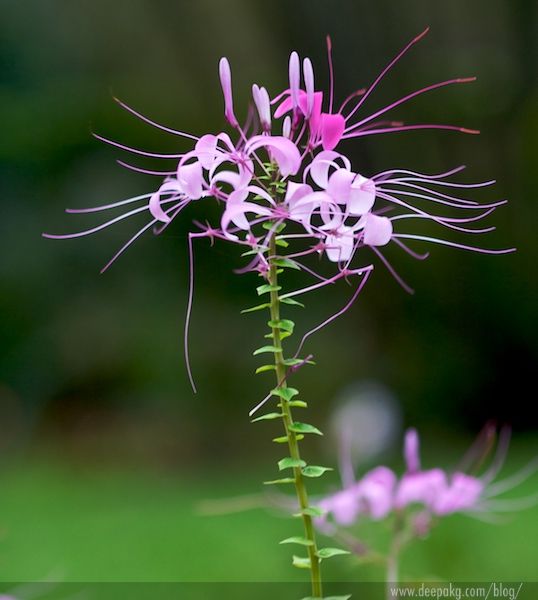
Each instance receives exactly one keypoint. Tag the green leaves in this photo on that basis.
(302, 541)
(286, 393)
(291, 302)
(300, 562)
(255, 308)
(290, 463)
(298, 427)
(311, 511)
(263, 349)
(315, 471)
(267, 417)
(278, 481)
(286, 263)
(282, 324)
(266, 289)
(265, 368)
(298, 404)
(330, 552)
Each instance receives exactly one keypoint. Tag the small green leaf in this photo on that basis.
(266, 288)
(291, 302)
(328, 552)
(281, 243)
(298, 404)
(283, 439)
(286, 393)
(311, 511)
(290, 463)
(265, 368)
(297, 540)
(254, 308)
(283, 324)
(315, 471)
(267, 417)
(286, 263)
(304, 428)
(278, 481)
(270, 226)
(263, 349)
(300, 562)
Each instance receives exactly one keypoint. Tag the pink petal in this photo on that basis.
(377, 230)
(377, 491)
(340, 245)
(226, 84)
(295, 76)
(206, 150)
(362, 196)
(424, 487)
(322, 163)
(283, 150)
(411, 451)
(463, 493)
(155, 200)
(191, 180)
(332, 130)
(339, 185)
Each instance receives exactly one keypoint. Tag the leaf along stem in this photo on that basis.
(287, 419)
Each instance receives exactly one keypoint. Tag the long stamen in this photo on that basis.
(399, 128)
(108, 206)
(134, 150)
(144, 171)
(331, 73)
(424, 238)
(153, 123)
(392, 271)
(414, 94)
(365, 272)
(386, 70)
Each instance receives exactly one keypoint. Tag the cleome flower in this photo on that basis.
(282, 169)
(427, 494)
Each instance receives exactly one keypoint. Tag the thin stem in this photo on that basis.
(393, 557)
(287, 419)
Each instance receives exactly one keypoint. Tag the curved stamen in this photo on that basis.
(107, 206)
(144, 171)
(153, 123)
(424, 238)
(134, 150)
(365, 272)
(408, 97)
(398, 129)
(392, 271)
(386, 70)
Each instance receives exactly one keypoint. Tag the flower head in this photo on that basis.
(434, 492)
(282, 168)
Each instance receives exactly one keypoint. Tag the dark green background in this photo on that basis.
(91, 367)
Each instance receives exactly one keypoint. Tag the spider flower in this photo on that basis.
(282, 168)
(436, 492)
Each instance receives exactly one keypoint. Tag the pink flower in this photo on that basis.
(434, 492)
(283, 168)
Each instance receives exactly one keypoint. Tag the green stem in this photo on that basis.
(293, 444)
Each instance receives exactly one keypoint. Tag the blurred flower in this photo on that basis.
(435, 492)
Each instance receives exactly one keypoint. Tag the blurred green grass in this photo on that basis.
(80, 523)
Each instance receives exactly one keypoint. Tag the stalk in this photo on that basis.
(293, 442)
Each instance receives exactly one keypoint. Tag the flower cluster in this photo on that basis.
(282, 169)
(434, 492)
